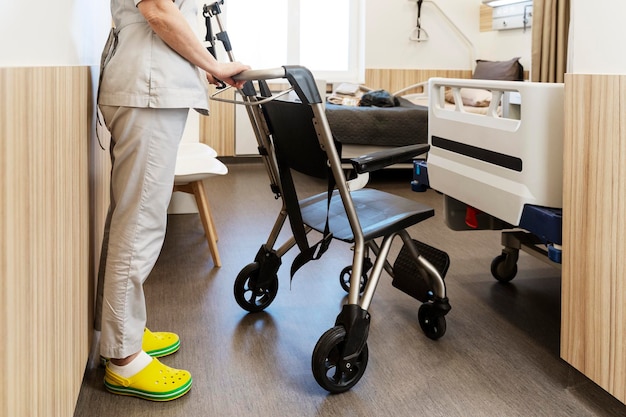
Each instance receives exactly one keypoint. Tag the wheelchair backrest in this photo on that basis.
(292, 126)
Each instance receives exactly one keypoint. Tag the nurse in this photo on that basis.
(153, 71)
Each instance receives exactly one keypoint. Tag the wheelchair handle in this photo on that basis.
(299, 77)
(261, 74)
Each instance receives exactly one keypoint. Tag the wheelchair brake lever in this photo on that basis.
(219, 84)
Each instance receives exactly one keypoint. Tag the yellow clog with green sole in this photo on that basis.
(155, 344)
(156, 382)
(159, 344)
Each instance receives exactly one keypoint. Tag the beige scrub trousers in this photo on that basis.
(146, 90)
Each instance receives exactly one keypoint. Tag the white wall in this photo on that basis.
(72, 32)
(597, 38)
(52, 32)
(389, 24)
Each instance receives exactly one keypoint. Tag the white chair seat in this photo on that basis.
(191, 168)
(194, 163)
(195, 148)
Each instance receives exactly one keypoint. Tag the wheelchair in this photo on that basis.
(293, 135)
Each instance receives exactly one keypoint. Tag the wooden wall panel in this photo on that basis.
(393, 80)
(486, 18)
(218, 129)
(593, 330)
(44, 229)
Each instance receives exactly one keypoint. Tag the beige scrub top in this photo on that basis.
(139, 69)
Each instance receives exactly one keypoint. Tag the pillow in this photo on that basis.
(348, 89)
(473, 97)
(510, 70)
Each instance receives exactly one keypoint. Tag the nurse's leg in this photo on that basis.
(144, 147)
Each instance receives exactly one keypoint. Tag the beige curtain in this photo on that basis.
(549, 40)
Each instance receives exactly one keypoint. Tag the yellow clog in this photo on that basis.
(159, 344)
(155, 344)
(156, 382)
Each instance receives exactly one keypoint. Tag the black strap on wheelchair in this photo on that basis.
(297, 146)
(307, 253)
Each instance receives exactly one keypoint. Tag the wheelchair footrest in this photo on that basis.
(411, 278)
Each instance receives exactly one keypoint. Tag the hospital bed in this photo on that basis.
(502, 169)
(366, 129)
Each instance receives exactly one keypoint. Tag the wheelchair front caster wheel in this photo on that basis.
(329, 369)
(248, 294)
(503, 269)
(431, 321)
(346, 275)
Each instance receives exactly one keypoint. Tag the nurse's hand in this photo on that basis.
(225, 71)
(212, 80)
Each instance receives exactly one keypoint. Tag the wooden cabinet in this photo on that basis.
(45, 220)
(593, 318)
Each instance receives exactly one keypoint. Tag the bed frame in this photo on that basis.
(498, 164)
(505, 165)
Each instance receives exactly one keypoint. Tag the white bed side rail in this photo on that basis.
(497, 164)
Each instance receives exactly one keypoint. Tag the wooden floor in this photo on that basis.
(499, 357)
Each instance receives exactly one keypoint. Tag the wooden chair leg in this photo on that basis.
(209, 212)
(204, 210)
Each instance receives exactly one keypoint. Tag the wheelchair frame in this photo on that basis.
(341, 354)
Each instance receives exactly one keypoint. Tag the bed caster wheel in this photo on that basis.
(432, 321)
(344, 279)
(329, 369)
(504, 267)
(248, 294)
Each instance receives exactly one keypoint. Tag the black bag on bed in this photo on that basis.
(379, 98)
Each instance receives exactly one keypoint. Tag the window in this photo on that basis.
(326, 36)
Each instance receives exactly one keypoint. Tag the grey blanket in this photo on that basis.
(406, 124)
